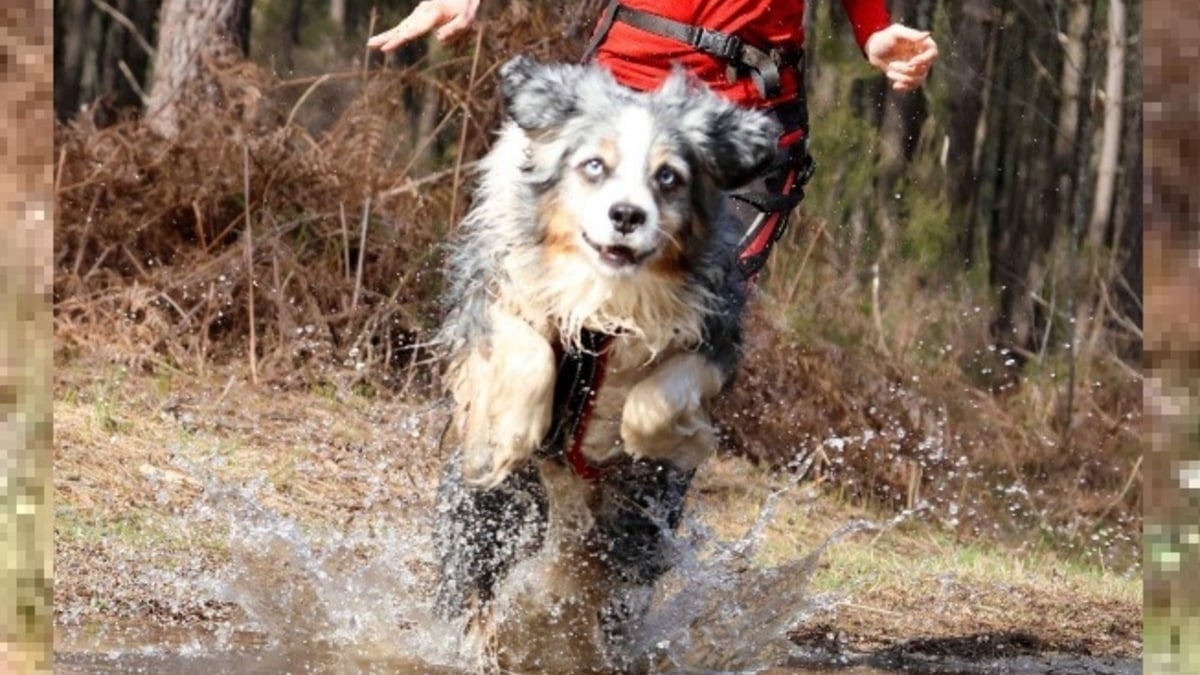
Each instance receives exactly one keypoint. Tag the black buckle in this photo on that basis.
(721, 45)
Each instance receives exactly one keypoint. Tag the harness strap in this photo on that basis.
(763, 65)
(603, 25)
(581, 371)
(755, 246)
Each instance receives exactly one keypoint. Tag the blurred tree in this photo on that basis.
(193, 35)
(968, 58)
(102, 53)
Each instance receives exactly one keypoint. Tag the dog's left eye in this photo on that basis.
(667, 178)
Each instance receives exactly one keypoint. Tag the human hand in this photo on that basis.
(450, 17)
(903, 54)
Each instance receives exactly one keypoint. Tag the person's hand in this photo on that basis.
(450, 17)
(903, 54)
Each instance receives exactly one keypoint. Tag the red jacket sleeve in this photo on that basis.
(867, 17)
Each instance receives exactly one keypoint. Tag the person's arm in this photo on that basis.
(903, 54)
(450, 17)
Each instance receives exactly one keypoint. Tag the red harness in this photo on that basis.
(581, 371)
(575, 458)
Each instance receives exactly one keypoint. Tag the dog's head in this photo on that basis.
(626, 179)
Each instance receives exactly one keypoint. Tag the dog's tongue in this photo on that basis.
(618, 255)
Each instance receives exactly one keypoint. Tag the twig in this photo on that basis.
(367, 49)
(62, 162)
(466, 123)
(133, 83)
(250, 265)
(868, 608)
(129, 25)
(345, 239)
(204, 325)
(304, 97)
(914, 484)
(99, 261)
(83, 238)
(185, 316)
(199, 225)
(225, 392)
(876, 312)
(362, 249)
(1120, 318)
(1133, 474)
(141, 270)
(411, 185)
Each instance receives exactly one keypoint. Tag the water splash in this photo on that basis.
(719, 610)
(364, 591)
(368, 591)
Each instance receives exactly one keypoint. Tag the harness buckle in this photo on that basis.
(722, 45)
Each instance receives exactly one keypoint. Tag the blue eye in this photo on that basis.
(667, 178)
(593, 169)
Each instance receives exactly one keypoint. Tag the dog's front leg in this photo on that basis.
(664, 416)
(508, 388)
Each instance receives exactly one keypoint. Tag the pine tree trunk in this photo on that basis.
(972, 26)
(192, 33)
(1110, 145)
(73, 18)
(1078, 16)
(337, 14)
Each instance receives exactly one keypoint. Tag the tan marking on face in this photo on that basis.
(669, 262)
(561, 238)
(607, 151)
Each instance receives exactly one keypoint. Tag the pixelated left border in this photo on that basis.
(26, 336)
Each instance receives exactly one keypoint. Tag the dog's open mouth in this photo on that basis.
(618, 256)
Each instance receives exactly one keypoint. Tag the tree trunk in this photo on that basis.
(192, 34)
(337, 14)
(1110, 146)
(1078, 17)
(899, 133)
(73, 19)
(968, 45)
(292, 39)
(122, 48)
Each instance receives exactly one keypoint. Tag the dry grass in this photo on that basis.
(912, 579)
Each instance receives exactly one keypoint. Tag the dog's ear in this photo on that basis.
(538, 96)
(733, 144)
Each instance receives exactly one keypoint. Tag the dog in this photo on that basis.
(600, 239)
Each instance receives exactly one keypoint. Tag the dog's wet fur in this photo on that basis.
(598, 209)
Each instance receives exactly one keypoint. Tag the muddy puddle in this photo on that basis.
(151, 650)
(307, 606)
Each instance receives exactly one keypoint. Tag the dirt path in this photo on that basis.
(136, 454)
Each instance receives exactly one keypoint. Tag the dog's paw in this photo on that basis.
(664, 416)
(653, 428)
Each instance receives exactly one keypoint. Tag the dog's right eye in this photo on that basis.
(593, 169)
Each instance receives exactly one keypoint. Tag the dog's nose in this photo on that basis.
(626, 217)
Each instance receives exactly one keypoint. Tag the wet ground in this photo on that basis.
(151, 651)
(204, 527)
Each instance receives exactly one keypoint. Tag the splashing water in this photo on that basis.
(368, 591)
(360, 599)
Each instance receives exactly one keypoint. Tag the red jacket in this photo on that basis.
(642, 60)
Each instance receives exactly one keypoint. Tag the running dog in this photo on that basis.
(600, 235)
